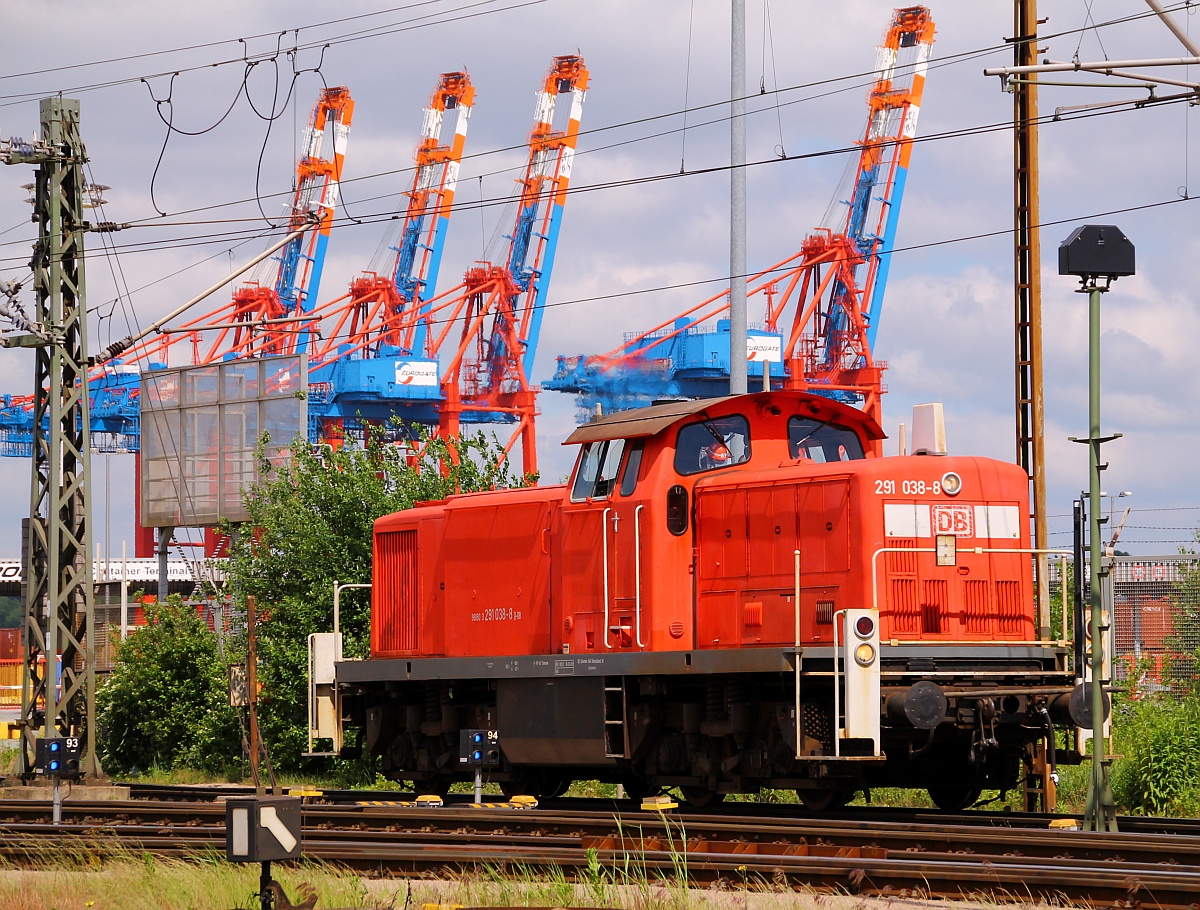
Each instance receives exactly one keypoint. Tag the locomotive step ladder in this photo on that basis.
(616, 736)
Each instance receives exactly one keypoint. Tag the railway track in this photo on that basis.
(864, 855)
(1139, 824)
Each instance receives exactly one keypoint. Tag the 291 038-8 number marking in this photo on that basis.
(908, 487)
(496, 614)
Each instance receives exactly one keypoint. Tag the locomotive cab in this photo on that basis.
(728, 594)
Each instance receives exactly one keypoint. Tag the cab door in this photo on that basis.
(587, 563)
(603, 532)
(627, 549)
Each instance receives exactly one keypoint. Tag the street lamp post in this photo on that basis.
(1095, 254)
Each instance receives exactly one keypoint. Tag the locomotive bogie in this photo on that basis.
(711, 733)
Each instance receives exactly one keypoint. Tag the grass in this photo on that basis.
(138, 882)
(141, 882)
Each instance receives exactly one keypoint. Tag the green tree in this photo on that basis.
(312, 526)
(166, 702)
(10, 613)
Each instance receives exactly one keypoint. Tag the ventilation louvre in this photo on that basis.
(976, 614)
(396, 599)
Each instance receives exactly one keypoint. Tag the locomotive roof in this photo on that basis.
(641, 422)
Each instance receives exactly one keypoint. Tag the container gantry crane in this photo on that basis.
(267, 320)
(381, 358)
(832, 287)
(496, 315)
(465, 355)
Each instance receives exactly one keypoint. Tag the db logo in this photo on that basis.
(958, 520)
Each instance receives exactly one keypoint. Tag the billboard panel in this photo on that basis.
(201, 428)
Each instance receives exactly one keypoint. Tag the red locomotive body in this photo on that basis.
(728, 594)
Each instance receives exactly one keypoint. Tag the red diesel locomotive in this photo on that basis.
(729, 594)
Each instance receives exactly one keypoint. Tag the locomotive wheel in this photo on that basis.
(637, 788)
(699, 797)
(825, 799)
(511, 788)
(954, 797)
(551, 787)
(436, 787)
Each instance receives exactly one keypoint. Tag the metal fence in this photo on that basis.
(1154, 607)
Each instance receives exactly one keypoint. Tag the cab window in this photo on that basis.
(597, 472)
(633, 465)
(712, 444)
(822, 441)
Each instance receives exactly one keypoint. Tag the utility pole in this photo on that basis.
(738, 381)
(58, 574)
(1031, 424)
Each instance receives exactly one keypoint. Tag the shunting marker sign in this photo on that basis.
(262, 829)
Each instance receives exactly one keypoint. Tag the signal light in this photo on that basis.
(864, 626)
(864, 654)
(58, 756)
(479, 749)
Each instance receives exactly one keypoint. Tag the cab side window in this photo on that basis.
(712, 444)
(633, 466)
(821, 441)
(596, 475)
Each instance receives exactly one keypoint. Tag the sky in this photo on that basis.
(947, 327)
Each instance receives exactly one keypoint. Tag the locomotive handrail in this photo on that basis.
(604, 562)
(337, 611)
(796, 656)
(637, 573)
(942, 642)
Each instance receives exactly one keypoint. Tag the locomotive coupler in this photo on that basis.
(984, 740)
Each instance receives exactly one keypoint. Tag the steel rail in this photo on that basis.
(858, 869)
(1177, 840)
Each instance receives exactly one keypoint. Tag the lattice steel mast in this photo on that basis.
(58, 601)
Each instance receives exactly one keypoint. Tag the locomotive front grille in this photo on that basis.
(394, 626)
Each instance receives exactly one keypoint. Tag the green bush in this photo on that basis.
(166, 703)
(1159, 771)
